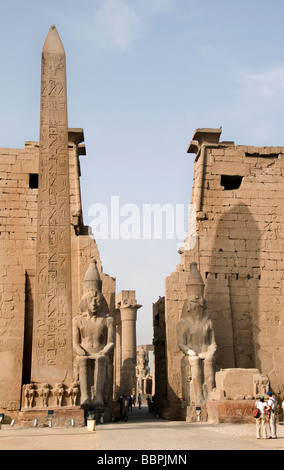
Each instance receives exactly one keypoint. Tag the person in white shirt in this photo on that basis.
(261, 421)
(271, 414)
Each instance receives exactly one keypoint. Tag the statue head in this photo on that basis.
(194, 307)
(91, 302)
(195, 304)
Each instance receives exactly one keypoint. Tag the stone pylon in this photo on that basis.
(52, 331)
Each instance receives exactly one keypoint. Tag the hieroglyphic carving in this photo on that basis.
(52, 346)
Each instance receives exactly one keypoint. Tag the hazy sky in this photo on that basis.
(142, 75)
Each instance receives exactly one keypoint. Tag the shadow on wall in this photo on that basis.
(28, 331)
(127, 376)
(232, 289)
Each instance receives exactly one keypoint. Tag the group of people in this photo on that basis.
(132, 400)
(266, 407)
(126, 402)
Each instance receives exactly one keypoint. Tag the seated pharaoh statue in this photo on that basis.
(196, 340)
(93, 342)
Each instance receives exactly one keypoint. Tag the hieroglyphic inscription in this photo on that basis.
(52, 346)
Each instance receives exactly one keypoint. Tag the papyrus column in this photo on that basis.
(128, 307)
(52, 323)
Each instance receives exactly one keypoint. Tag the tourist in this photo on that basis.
(133, 400)
(261, 420)
(130, 401)
(282, 406)
(121, 408)
(125, 408)
(139, 400)
(272, 415)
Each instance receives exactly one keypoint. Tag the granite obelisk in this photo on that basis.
(52, 323)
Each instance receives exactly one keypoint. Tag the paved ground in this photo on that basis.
(142, 432)
(149, 433)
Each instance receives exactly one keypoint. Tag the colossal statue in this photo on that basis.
(93, 342)
(196, 340)
(142, 369)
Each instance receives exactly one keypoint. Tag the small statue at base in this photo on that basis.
(29, 394)
(73, 392)
(196, 340)
(58, 393)
(44, 393)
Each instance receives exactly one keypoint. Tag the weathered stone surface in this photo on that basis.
(196, 340)
(241, 383)
(238, 243)
(230, 411)
(93, 344)
(64, 417)
(52, 324)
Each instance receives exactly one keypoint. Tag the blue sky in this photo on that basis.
(142, 75)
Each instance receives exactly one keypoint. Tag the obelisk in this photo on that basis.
(52, 323)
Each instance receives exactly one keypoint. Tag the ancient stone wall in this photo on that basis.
(238, 196)
(17, 248)
(18, 234)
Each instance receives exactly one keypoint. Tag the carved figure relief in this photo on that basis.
(73, 392)
(29, 393)
(44, 394)
(58, 393)
(261, 384)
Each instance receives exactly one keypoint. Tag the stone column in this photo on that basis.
(117, 356)
(128, 307)
(52, 323)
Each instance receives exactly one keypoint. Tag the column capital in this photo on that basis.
(128, 311)
(126, 299)
(129, 304)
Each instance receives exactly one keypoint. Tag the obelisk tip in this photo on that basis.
(53, 42)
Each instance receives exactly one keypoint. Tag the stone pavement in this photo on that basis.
(143, 432)
(18, 438)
